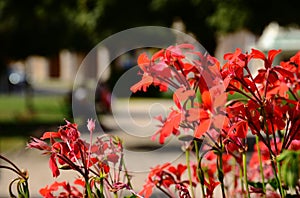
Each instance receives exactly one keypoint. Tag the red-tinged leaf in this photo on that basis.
(272, 54)
(143, 84)
(48, 135)
(202, 128)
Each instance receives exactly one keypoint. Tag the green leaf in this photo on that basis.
(289, 167)
(273, 183)
(256, 184)
(131, 196)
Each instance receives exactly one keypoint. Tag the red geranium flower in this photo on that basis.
(169, 125)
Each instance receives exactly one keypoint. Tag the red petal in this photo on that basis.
(147, 190)
(143, 59)
(241, 129)
(220, 100)
(258, 54)
(143, 84)
(193, 114)
(186, 46)
(272, 54)
(202, 128)
(284, 72)
(181, 95)
(170, 125)
(234, 55)
(53, 166)
(206, 99)
(80, 182)
(158, 54)
(48, 135)
(114, 158)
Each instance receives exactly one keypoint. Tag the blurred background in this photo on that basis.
(42, 44)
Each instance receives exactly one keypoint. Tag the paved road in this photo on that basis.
(133, 122)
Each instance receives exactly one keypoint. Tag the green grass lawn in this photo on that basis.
(44, 108)
(16, 119)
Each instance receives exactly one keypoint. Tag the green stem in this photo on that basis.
(260, 166)
(102, 188)
(200, 173)
(245, 173)
(279, 180)
(242, 181)
(26, 189)
(221, 174)
(272, 156)
(187, 157)
(22, 188)
(88, 189)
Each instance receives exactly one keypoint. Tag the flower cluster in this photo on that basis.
(264, 105)
(217, 108)
(100, 164)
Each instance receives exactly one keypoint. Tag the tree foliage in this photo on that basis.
(46, 26)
